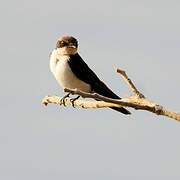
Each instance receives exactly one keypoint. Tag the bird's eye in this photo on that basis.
(75, 43)
(61, 44)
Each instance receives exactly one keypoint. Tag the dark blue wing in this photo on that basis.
(81, 69)
(84, 73)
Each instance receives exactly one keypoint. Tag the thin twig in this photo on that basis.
(130, 83)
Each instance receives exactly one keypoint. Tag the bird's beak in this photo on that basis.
(72, 46)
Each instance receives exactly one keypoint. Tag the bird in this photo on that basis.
(71, 71)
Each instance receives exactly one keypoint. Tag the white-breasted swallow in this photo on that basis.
(72, 72)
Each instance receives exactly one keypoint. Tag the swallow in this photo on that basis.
(70, 71)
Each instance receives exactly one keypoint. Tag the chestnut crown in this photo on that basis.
(67, 41)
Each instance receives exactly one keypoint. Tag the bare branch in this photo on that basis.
(138, 101)
(132, 101)
(78, 103)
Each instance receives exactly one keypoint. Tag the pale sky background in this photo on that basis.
(52, 143)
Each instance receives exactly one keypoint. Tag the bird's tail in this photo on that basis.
(122, 110)
(102, 89)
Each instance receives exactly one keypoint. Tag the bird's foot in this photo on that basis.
(62, 100)
(73, 100)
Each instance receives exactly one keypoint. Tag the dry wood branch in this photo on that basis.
(138, 101)
(78, 103)
(132, 101)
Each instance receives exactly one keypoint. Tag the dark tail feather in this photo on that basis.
(102, 89)
(122, 110)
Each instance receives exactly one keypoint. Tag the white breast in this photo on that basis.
(60, 68)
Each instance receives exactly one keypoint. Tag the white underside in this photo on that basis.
(60, 68)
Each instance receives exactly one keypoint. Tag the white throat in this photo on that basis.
(60, 68)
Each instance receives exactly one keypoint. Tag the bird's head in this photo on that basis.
(67, 45)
